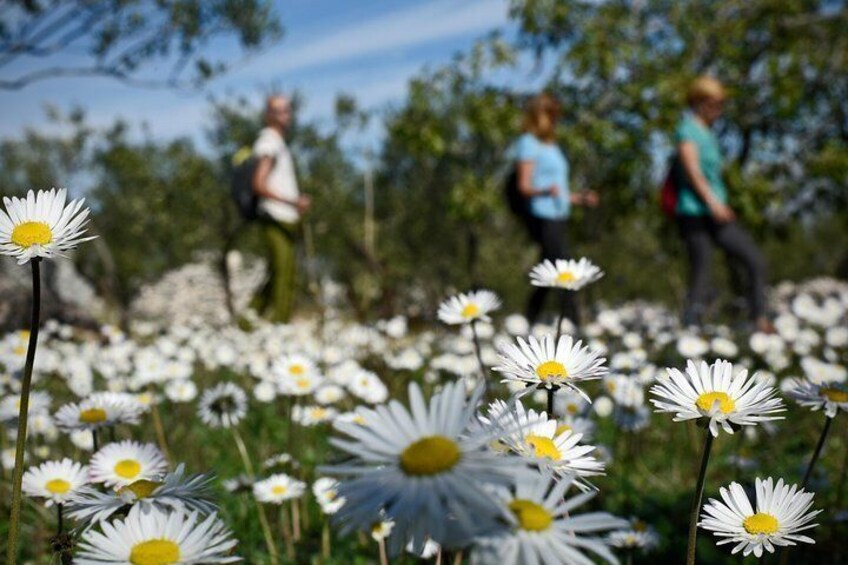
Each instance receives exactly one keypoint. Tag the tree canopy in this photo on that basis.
(118, 38)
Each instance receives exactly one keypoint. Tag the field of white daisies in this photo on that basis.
(474, 439)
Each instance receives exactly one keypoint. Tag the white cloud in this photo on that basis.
(419, 25)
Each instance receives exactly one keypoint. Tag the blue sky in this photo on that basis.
(367, 48)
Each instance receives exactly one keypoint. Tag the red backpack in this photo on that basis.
(670, 189)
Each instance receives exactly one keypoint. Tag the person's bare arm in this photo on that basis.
(525, 181)
(260, 185)
(688, 153)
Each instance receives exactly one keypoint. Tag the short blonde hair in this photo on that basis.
(705, 88)
(541, 116)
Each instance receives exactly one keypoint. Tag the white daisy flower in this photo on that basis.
(10, 406)
(329, 394)
(781, 513)
(638, 535)
(545, 529)
(55, 481)
(222, 406)
(41, 225)
(181, 390)
(99, 410)
(831, 397)
(122, 464)
(423, 467)
(326, 493)
(541, 364)
(313, 415)
(535, 437)
(466, 308)
(174, 491)
(293, 366)
(565, 273)
(278, 488)
(368, 386)
(300, 385)
(713, 392)
(157, 536)
(382, 529)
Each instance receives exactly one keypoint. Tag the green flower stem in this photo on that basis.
(816, 453)
(263, 518)
(26, 385)
(696, 500)
(479, 353)
(784, 554)
(551, 392)
(561, 315)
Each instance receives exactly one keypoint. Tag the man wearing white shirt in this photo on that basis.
(281, 206)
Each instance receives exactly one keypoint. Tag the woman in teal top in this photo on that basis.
(542, 170)
(703, 215)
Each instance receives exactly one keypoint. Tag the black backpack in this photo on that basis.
(517, 203)
(241, 184)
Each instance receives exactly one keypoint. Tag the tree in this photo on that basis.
(119, 37)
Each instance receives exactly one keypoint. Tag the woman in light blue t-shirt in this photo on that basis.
(703, 215)
(542, 170)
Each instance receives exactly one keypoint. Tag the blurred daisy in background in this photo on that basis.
(830, 397)
(41, 225)
(714, 393)
(543, 527)
(99, 410)
(277, 489)
(222, 406)
(55, 481)
(637, 536)
(540, 363)
(158, 537)
(466, 308)
(326, 493)
(781, 513)
(565, 273)
(122, 464)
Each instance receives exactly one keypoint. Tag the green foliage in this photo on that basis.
(156, 206)
(117, 39)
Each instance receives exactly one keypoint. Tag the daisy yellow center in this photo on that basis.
(279, 490)
(20, 351)
(565, 277)
(302, 383)
(127, 468)
(319, 413)
(562, 428)
(142, 488)
(429, 456)
(470, 311)
(760, 523)
(92, 416)
(58, 486)
(297, 369)
(705, 402)
(155, 552)
(531, 516)
(28, 234)
(835, 395)
(543, 447)
(551, 370)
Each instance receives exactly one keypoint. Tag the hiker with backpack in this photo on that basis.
(278, 208)
(697, 197)
(540, 193)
